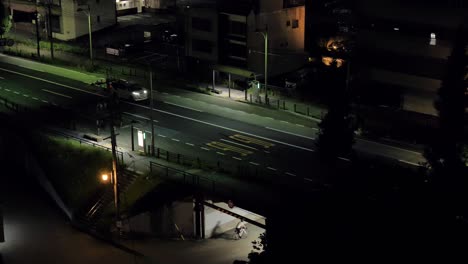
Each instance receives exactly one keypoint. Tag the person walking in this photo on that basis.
(241, 229)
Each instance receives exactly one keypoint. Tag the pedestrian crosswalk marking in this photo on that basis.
(246, 139)
(226, 147)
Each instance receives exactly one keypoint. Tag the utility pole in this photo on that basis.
(38, 39)
(114, 161)
(151, 114)
(49, 23)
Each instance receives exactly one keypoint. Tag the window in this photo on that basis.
(201, 24)
(295, 23)
(288, 23)
(432, 41)
(237, 28)
(202, 45)
(99, 19)
(55, 24)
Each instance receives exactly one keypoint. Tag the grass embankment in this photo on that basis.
(73, 168)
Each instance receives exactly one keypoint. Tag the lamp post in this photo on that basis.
(88, 13)
(265, 37)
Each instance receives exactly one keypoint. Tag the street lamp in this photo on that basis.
(105, 177)
(88, 13)
(265, 37)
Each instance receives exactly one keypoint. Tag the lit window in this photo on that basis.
(432, 42)
(295, 23)
(396, 29)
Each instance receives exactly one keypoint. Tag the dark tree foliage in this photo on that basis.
(4, 20)
(336, 134)
(445, 154)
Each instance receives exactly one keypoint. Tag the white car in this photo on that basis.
(129, 90)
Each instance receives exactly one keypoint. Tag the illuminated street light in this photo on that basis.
(105, 177)
(265, 37)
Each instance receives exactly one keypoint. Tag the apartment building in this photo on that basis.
(230, 35)
(66, 21)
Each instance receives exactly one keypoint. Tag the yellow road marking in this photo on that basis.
(226, 147)
(246, 139)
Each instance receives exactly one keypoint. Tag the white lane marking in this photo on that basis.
(220, 153)
(291, 174)
(190, 144)
(226, 128)
(297, 135)
(314, 128)
(300, 125)
(282, 121)
(253, 163)
(7, 89)
(236, 158)
(270, 117)
(411, 163)
(35, 98)
(232, 142)
(270, 168)
(266, 151)
(307, 179)
(47, 81)
(175, 139)
(190, 108)
(162, 111)
(1, 78)
(204, 148)
(54, 104)
(345, 159)
(15, 92)
(45, 101)
(59, 94)
(159, 135)
(25, 95)
(316, 119)
(373, 142)
(139, 116)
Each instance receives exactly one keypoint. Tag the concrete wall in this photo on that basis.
(217, 223)
(193, 34)
(286, 44)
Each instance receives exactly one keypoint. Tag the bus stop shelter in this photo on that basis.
(230, 70)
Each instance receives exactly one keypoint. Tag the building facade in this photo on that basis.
(232, 34)
(66, 22)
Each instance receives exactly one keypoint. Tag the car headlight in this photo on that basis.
(145, 91)
(135, 93)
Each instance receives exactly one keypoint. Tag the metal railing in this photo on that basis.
(120, 158)
(187, 178)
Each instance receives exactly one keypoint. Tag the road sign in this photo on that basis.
(6, 42)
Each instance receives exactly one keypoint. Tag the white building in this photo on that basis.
(66, 21)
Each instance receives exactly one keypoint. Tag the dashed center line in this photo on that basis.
(291, 174)
(204, 148)
(7, 89)
(220, 153)
(159, 135)
(190, 144)
(300, 125)
(15, 92)
(236, 158)
(175, 139)
(34, 98)
(307, 179)
(25, 95)
(1, 78)
(44, 101)
(270, 168)
(253, 163)
(282, 121)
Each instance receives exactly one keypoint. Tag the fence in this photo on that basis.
(187, 178)
(239, 169)
(120, 158)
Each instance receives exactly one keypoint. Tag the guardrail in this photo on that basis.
(120, 158)
(187, 178)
